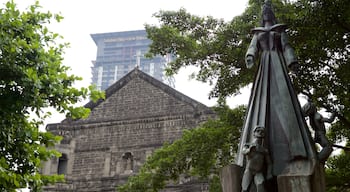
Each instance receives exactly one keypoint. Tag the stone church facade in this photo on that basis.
(138, 115)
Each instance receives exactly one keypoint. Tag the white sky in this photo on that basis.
(82, 18)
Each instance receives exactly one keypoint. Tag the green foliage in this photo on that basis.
(210, 44)
(319, 30)
(215, 184)
(320, 35)
(32, 78)
(338, 173)
(199, 152)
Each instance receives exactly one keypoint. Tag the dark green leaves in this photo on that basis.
(319, 31)
(32, 78)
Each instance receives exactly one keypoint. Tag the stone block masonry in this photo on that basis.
(138, 116)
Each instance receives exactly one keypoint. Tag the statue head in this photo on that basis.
(267, 13)
(259, 131)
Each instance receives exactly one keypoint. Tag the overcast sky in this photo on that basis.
(85, 17)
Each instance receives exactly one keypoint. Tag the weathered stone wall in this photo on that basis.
(95, 143)
(137, 117)
(97, 161)
(139, 99)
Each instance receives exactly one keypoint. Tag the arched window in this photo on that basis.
(62, 164)
(128, 162)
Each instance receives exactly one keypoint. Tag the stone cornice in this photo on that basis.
(76, 125)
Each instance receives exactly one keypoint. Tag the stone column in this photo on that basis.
(302, 176)
(231, 178)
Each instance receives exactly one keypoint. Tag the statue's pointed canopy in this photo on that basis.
(267, 13)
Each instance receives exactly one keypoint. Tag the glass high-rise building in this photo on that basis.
(120, 52)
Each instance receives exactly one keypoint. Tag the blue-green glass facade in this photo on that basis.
(120, 52)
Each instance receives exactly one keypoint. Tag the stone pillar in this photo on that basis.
(299, 176)
(107, 165)
(231, 178)
(46, 170)
(71, 157)
(302, 176)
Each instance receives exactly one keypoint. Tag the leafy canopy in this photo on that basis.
(319, 31)
(32, 78)
(337, 173)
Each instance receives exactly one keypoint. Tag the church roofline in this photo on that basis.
(136, 72)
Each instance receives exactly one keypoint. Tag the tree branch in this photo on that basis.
(342, 147)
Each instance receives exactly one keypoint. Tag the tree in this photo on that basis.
(338, 174)
(200, 152)
(319, 30)
(218, 48)
(32, 78)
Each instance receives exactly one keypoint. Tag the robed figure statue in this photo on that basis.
(273, 102)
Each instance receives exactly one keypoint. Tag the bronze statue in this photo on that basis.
(257, 156)
(273, 102)
(317, 121)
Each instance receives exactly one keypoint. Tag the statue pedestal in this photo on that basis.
(302, 176)
(231, 178)
(299, 176)
(294, 183)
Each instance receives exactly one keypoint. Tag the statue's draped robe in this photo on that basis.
(273, 102)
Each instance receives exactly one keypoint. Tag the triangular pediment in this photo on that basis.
(138, 95)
